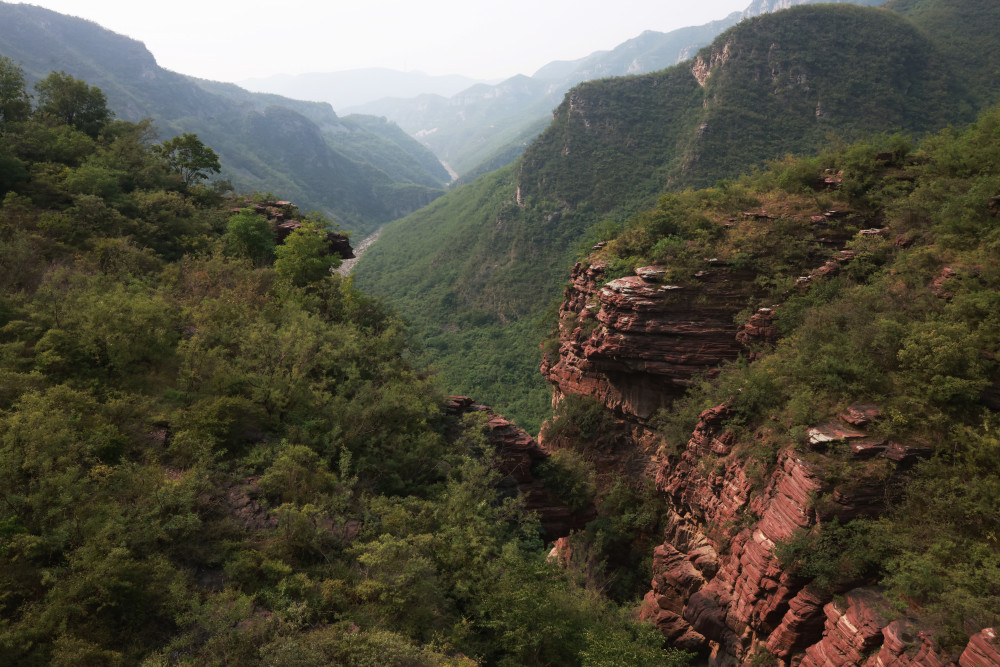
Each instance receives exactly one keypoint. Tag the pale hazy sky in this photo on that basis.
(231, 41)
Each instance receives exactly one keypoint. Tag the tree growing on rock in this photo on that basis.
(249, 235)
(304, 257)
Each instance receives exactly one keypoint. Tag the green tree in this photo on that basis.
(73, 102)
(189, 157)
(15, 102)
(304, 256)
(249, 235)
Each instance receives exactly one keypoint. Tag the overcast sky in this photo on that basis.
(487, 39)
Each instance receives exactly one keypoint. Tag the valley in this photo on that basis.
(699, 369)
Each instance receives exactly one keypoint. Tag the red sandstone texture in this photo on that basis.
(635, 343)
(983, 649)
(718, 587)
(758, 332)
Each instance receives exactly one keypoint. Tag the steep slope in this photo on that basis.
(469, 127)
(775, 84)
(214, 451)
(966, 35)
(494, 249)
(265, 142)
(366, 139)
(398, 154)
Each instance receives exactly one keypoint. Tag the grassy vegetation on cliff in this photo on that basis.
(908, 321)
(215, 452)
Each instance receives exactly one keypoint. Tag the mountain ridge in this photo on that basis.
(236, 123)
(614, 146)
(470, 128)
(351, 88)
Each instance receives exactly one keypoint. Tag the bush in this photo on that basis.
(581, 420)
(833, 555)
(249, 236)
(570, 477)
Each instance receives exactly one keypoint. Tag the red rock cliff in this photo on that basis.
(634, 344)
(718, 586)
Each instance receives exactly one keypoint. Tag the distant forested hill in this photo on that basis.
(489, 257)
(350, 88)
(359, 171)
(966, 33)
(487, 126)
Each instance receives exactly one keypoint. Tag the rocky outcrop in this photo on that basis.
(635, 343)
(281, 216)
(983, 649)
(242, 503)
(725, 532)
(702, 67)
(758, 333)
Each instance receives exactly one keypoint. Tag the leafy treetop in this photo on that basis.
(72, 102)
(190, 157)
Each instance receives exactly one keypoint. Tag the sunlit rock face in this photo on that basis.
(718, 586)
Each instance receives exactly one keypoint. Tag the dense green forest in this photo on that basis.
(490, 257)
(214, 451)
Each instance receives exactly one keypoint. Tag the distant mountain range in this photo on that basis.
(361, 171)
(358, 86)
(485, 126)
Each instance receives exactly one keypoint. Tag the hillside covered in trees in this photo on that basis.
(360, 170)
(485, 127)
(774, 434)
(806, 358)
(214, 451)
(477, 270)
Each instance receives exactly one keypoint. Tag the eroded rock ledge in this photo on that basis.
(517, 454)
(635, 343)
(718, 586)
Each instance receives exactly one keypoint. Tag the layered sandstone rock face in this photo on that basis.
(719, 588)
(635, 343)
